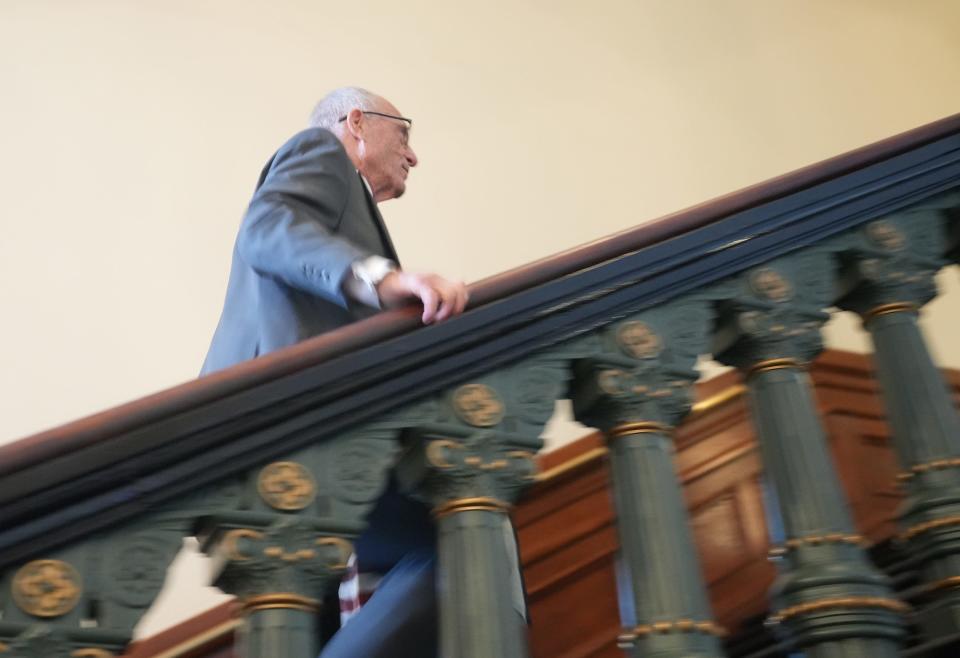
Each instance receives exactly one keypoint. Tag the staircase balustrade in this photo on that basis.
(275, 468)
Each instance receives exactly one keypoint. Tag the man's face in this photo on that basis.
(385, 155)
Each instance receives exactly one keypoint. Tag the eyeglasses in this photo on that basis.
(409, 122)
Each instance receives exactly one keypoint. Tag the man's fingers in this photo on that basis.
(430, 300)
(457, 298)
(448, 300)
(462, 297)
(453, 297)
(441, 298)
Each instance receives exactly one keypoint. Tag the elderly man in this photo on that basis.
(312, 255)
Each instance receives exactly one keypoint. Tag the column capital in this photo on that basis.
(483, 470)
(774, 312)
(480, 440)
(283, 564)
(893, 260)
(642, 368)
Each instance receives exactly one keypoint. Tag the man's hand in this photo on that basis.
(441, 297)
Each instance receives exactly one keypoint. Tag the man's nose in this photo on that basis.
(411, 157)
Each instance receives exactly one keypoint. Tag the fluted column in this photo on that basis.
(471, 483)
(890, 268)
(635, 387)
(480, 587)
(470, 465)
(829, 600)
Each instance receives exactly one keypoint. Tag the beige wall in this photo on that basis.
(132, 134)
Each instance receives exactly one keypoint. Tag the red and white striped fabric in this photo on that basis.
(355, 589)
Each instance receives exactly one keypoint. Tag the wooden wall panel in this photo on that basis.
(721, 537)
(577, 616)
(868, 470)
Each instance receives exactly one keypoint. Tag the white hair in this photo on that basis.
(338, 103)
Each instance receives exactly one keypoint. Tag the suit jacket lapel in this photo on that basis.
(378, 221)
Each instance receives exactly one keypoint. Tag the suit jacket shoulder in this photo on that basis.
(312, 163)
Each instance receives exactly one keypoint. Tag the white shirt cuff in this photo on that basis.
(366, 275)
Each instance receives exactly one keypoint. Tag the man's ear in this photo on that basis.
(355, 123)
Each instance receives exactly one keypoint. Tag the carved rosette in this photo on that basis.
(47, 588)
(356, 475)
(478, 405)
(534, 393)
(286, 486)
(352, 471)
(221, 497)
(771, 285)
(518, 399)
(138, 571)
(638, 340)
(291, 556)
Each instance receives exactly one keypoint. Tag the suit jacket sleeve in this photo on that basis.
(289, 231)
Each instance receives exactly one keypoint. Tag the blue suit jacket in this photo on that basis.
(310, 218)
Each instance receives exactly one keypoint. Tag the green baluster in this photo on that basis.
(636, 386)
(889, 275)
(471, 464)
(829, 600)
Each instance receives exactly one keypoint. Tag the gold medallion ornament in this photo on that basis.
(886, 235)
(638, 340)
(47, 588)
(770, 284)
(286, 486)
(478, 405)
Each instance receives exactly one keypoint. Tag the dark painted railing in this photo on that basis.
(276, 462)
